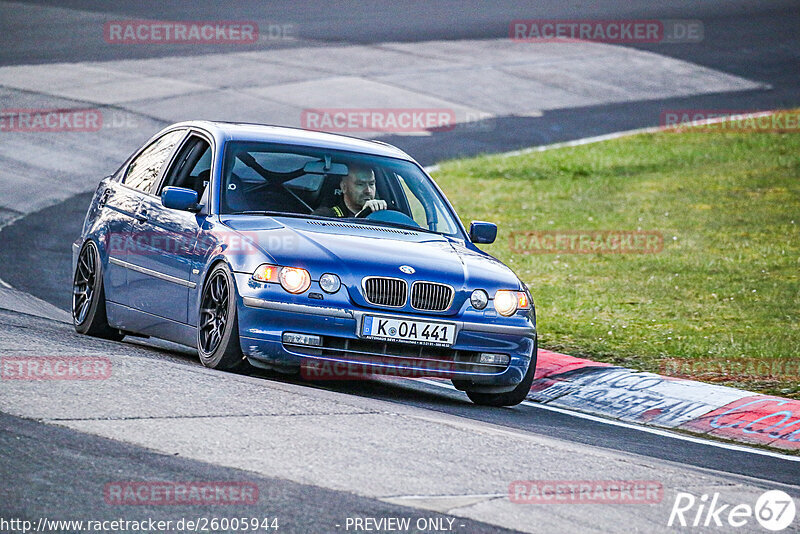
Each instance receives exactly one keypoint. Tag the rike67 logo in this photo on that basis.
(774, 510)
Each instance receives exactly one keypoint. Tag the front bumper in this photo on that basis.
(263, 321)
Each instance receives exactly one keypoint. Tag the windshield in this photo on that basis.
(292, 180)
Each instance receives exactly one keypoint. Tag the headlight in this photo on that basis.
(329, 283)
(479, 299)
(294, 280)
(266, 273)
(508, 302)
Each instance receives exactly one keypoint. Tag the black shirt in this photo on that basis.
(340, 210)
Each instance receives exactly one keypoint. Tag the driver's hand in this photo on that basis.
(373, 205)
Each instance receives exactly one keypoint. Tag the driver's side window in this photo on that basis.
(191, 168)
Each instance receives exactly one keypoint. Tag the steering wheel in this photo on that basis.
(363, 214)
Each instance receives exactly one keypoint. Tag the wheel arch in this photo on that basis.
(210, 266)
(102, 251)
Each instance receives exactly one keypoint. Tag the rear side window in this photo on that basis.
(144, 170)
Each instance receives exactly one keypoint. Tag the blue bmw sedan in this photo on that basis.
(300, 251)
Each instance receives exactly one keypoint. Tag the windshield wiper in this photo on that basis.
(271, 213)
(392, 224)
(366, 222)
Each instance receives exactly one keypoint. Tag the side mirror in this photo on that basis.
(179, 198)
(482, 232)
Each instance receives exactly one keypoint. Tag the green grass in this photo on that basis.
(726, 285)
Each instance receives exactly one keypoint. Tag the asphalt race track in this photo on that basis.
(320, 453)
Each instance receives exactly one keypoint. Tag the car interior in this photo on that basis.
(277, 185)
(263, 179)
(192, 167)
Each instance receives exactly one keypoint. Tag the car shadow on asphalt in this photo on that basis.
(393, 389)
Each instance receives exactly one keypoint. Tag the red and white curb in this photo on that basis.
(651, 399)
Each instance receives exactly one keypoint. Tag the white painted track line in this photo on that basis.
(614, 135)
(650, 430)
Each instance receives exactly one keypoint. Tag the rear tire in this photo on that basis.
(218, 326)
(516, 395)
(89, 297)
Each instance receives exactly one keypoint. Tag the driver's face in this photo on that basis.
(359, 186)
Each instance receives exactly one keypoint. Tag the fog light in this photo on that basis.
(291, 338)
(479, 299)
(329, 283)
(495, 359)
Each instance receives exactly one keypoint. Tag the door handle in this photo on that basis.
(141, 217)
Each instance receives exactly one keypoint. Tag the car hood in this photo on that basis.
(354, 251)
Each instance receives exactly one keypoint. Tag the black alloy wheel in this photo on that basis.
(218, 328)
(88, 296)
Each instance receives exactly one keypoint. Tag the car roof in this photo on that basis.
(239, 131)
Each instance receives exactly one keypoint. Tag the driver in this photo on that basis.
(358, 195)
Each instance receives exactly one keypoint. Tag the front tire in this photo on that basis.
(218, 326)
(516, 395)
(89, 297)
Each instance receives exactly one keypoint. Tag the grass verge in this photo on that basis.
(720, 302)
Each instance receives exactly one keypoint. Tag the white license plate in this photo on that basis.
(407, 331)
